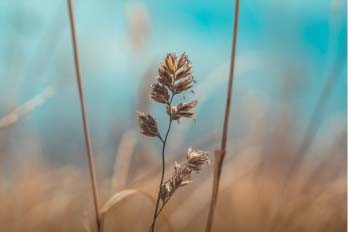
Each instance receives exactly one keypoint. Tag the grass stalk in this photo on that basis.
(164, 143)
(174, 77)
(84, 116)
(220, 154)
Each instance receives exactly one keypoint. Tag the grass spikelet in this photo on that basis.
(182, 173)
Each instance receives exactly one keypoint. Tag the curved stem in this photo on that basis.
(160, 137)
(164, 142)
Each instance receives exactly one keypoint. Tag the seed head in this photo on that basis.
(165, 77)
(184, 70)
(171, 62)
(182, 60)
(183, 85)
(182, 173)
(147, 124)
(175, 73)
(159, 93)
(182, 110)
(196, 158)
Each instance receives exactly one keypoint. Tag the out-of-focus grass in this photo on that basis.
(261, 190)
(252, 194)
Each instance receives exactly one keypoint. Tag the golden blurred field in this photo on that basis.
(256, 194)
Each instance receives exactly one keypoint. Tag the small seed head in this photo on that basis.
(182, 173)
(182, 110)
(171, 62)
(147, 124)
(159, 93)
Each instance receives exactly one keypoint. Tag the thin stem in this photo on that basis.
(164, 142)
(222, 152)
(84, 116)
(162, 206)
(160, 138)
(159, 211)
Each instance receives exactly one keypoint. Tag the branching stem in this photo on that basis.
(164, 143)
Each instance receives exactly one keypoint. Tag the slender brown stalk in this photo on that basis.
(164, 143)
(84, 116)
(220, 154)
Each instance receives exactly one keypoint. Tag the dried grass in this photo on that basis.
(11, 118)
(220, 154)
(87, 136)
(250, 197)
(174, 78)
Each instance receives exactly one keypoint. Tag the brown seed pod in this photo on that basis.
(184, 71)
(182, 60)
(159, 93)
(182, 173)
(164, 76)
(183, 85)
(175, 74)
(182, 110)
(171, 62)
(196, 158)
(147, 124)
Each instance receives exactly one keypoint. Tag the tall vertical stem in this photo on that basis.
(84, 116)
(220, 155)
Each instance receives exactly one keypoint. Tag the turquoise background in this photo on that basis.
(282, 46)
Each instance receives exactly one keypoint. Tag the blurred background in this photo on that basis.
(288, 115)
